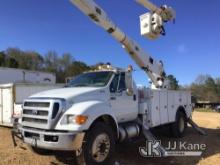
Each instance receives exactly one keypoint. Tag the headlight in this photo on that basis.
(74, 119)
(70, 119)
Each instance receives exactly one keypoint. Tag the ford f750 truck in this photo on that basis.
(104, 106)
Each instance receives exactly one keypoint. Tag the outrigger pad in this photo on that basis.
(196, 127)
(149, 136)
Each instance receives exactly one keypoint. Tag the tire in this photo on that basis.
(178, 128)
(39, 151)
(100, 134)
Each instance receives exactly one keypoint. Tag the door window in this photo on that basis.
(122, 85)
(114, 84)
(118, 83)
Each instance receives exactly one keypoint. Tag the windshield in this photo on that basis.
(91, 79)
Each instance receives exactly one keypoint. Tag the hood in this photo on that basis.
(72, 93)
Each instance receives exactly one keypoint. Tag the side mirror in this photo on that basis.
(129, 83)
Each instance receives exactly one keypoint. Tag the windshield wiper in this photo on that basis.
(79, 85)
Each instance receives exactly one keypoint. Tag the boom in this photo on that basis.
(153, 68)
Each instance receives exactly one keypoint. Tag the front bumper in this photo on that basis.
(53, 140)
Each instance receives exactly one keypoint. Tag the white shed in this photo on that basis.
(12, 75)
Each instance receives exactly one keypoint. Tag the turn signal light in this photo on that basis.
(80, 119)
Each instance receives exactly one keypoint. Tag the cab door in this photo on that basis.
(125, 107)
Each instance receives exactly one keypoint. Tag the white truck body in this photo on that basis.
(161, 105)
(12, 96)
(12, 75)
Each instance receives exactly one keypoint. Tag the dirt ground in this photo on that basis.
(126, 154)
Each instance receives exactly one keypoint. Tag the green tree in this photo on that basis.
(33, 60)
(65, 61)
(64, 66)
(174, 84)
(198, 91)
(2, 58)
(30, 60)
(205, 88)
(11, 63)
(15, 54)
(51, 61)
(77, 67)
(218, 88)
(211, 89)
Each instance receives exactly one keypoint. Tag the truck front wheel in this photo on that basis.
(98, 147)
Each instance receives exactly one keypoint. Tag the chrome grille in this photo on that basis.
(40, 113)
(37, 104)
(27, 119)
(35, 112)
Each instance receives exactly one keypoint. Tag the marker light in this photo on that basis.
(80, 119)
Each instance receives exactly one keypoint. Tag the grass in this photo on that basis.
(205, 110)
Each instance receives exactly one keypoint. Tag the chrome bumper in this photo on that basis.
(53, 140)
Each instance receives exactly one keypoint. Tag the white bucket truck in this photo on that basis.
(102, 107)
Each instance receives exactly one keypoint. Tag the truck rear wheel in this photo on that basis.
(98, 147)
(179, 127)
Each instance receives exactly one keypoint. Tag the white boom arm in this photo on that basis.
(153, 68)
(148, 5)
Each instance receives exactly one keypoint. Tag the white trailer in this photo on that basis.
(12, 96)
(12, 75)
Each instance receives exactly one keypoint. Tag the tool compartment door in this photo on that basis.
(186, 95)
(163, 108)
(171, 106)
(154, 113)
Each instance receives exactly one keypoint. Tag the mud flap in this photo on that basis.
(78, 141)
(196, 127)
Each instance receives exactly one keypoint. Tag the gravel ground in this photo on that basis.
(126, 153)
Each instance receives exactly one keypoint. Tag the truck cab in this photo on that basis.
(53, 119)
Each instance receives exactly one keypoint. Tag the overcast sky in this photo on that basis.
(191, 46)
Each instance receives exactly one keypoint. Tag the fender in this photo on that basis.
(93, 109)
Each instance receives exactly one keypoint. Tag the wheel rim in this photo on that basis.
(101, 147)
(181, 124)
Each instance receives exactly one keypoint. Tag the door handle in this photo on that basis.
(134, 97)
(113, 98)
